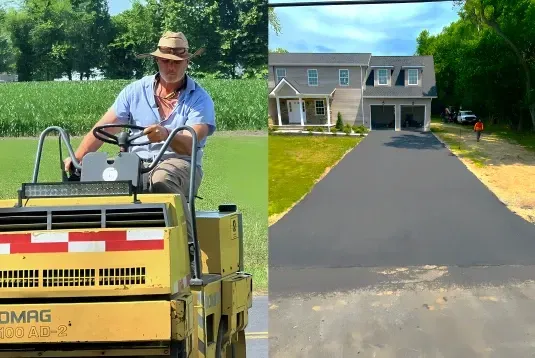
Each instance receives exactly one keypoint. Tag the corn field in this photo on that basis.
(27, 108)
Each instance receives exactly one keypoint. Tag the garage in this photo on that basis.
(412, 117)
(383, 116)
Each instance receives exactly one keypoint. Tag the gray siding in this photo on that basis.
(328, 77)
(348, 101)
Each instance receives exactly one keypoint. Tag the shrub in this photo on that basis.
(339, 123)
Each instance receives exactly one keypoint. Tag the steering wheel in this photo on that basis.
(123, 139)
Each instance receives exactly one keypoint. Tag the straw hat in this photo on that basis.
(173, 46)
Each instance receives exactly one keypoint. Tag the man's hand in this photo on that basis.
(68, 164)
(156, 133)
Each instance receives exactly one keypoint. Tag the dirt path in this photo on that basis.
(507, 169)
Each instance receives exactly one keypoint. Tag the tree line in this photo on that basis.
(485, 61)
(41, 40)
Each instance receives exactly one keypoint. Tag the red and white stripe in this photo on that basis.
(83, 241)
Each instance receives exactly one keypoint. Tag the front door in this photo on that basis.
(294, 116)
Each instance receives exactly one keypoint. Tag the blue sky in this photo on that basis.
(382, 29)
(118, 6)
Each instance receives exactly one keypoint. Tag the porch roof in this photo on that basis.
(303, 91)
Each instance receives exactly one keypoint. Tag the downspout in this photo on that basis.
(362, 94)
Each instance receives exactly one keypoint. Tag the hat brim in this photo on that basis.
(170, 56)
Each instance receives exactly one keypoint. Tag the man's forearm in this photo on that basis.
(90, 143)
(181, 144)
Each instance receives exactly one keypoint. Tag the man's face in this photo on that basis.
(170, 70)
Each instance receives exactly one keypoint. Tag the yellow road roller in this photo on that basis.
(92, 266)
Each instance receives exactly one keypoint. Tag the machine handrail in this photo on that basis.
(64, 136)
(191, 194)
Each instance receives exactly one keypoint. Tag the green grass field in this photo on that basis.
(27, 108)
(296, 162)
(235, 172)
(525, 139)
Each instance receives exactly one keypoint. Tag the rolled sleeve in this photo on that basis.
(121, 106)
(202, 112)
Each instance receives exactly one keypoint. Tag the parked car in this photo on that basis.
(466, 117)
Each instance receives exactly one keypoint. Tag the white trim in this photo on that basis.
(409, 76)
(391, 97)
(333, 64)
(317, 77)
(307, 96)
(381, 66)
(300, 105)
(340, 77)
(328, 112)
(415, 66)
(316, 107)
(387, 78)
(279, 110)
(301, 111)
(362, 95)
(279, 84)
(395, 114)
(426, 128)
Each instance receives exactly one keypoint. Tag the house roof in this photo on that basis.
(399, 64)
(303, 59)
(307, 90)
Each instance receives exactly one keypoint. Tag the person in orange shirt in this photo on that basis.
(478, 128)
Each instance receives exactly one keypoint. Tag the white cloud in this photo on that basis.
(360, 28)
(312, 26)
(374, 14)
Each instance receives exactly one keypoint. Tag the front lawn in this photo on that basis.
(235, 168)
(296, 163)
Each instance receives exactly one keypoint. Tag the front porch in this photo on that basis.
(290, 108)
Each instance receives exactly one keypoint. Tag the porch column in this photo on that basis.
(279, 110)
(328, 113)
(301, 110)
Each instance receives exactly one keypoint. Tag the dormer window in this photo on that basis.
(383, 76)
(413, 77)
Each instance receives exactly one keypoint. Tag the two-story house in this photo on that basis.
(388, 92)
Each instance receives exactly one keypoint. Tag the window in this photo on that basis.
(413, 76)
(344, 77)
(281, 73)
(383, 76)
(320, 108)
(312, 77)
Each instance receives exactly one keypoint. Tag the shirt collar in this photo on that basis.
(190, 83)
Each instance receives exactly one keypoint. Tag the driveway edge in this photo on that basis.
(474, 174)
(273, 219)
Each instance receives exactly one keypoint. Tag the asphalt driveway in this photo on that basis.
(397, 199)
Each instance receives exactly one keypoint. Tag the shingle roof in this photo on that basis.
(428, 88)
(320, 89)
(299, 59)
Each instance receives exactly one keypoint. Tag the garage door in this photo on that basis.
(383, 117)
(412, 117)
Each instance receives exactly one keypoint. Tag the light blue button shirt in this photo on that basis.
(136, 105)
